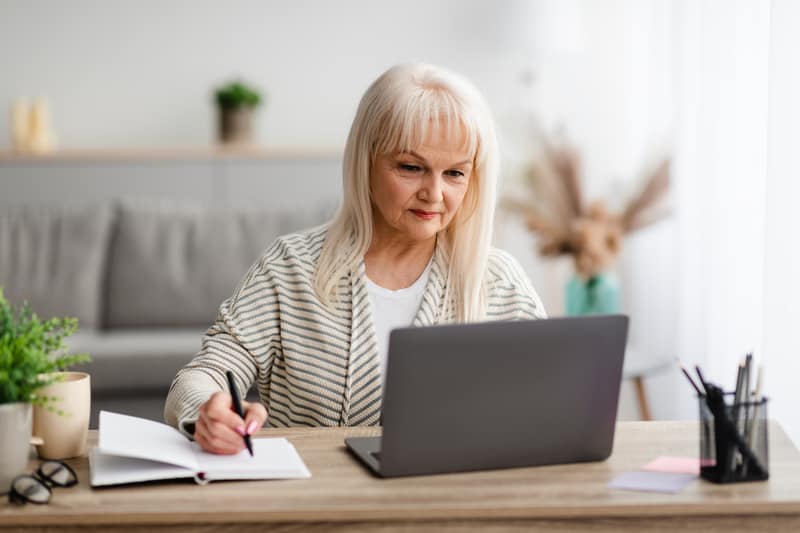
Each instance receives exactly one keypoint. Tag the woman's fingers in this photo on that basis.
(255, 415)
(218, 428)
(212, 442)
(221, 431)
(219, 408)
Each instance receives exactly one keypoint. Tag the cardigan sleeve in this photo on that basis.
(510, 293)
(243, 339)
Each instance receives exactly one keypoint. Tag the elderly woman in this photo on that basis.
(309, 323)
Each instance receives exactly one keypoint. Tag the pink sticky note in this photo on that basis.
(679, 465)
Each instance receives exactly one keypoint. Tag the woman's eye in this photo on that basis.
(455, 173)
(409, 168)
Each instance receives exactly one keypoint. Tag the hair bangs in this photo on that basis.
(430, 112)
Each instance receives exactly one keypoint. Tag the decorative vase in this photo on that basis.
(15, 441)
(236, 125)
(597, 295)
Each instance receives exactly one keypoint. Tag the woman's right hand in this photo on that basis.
(220, 430)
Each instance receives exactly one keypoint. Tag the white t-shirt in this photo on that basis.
(394, 309)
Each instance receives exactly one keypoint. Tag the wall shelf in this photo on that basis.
(187, 153)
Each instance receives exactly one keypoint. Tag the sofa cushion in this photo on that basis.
(171, 265)
(54, 258)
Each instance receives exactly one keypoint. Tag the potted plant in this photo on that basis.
(236, 104)
(31, 355)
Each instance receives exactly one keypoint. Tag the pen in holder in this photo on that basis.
(733, 438)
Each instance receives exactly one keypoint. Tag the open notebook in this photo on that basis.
(132, 450)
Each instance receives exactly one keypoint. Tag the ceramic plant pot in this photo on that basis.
(15, 441)
(236, 125)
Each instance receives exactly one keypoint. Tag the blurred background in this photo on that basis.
(119, 103)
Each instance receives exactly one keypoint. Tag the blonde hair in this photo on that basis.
(394, 115)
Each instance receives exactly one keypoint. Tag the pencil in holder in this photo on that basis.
(733, 439)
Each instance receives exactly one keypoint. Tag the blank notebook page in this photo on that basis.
(271, 457)
(136, 437)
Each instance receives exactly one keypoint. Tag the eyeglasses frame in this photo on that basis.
(43, 480)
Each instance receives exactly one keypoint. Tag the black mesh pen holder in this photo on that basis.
(733, 439)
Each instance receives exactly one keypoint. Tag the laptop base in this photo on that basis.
(366, 449)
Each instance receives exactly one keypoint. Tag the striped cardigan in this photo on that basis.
(314, 365)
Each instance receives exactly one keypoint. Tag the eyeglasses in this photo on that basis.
(35, 488)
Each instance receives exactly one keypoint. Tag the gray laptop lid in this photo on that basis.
(501, 394)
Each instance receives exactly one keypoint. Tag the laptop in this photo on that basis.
(498, 395)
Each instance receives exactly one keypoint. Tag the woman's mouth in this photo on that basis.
(425, 215)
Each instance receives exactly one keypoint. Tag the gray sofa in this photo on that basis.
(144, 278)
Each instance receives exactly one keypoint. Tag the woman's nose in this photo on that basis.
(431, 190)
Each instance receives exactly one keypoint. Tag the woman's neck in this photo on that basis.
(396, 264)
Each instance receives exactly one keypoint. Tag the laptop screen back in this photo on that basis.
(501, 394)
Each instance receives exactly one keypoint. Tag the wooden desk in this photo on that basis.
(342, 496)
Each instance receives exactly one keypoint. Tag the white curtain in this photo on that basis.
(782, 244)
(736, 80)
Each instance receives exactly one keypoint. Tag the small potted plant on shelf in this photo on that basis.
(236, 105)
(32, 354)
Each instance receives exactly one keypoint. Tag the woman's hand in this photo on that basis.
(220, 430)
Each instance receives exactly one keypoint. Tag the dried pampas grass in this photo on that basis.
(557, 213)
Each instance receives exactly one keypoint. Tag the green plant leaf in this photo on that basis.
(31, 352)
(237, 94)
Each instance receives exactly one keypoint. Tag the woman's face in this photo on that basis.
(415, 194)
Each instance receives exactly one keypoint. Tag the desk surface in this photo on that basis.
(343, 496)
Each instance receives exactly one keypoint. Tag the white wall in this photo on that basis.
(141, 73)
